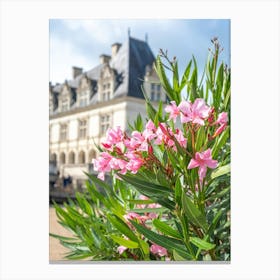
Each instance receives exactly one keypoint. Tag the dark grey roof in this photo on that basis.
(129, 65)
(130, 62)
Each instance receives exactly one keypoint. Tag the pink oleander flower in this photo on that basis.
(219, 130)
(134, 216)
(102, 164)
(173, 111)
(149, 132)
(180, 138)
(113, 137)
(135, 162)
(195, 113)
(203, 160)
(222, 121)
(119, 165)
(222, 118)
(158, 250)
(121, 249)
(136, 142)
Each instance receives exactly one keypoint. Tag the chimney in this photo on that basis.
(76, 71)
(103, 58)
(115, 48)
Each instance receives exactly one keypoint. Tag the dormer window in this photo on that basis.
(83, 98)
(106, 92)
(155, 92)
(64, 104)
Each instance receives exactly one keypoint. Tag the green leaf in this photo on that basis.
(193, 213)
(222, 170)
(201, 244)
(220, 142)
(100, 183)
(140, 201)
(122, 227)
(148, 210)
(200, 138)
(186, 75)
(178, 192)
(166, 229)
(164, 81)
(177, 256)
(164, 241)
(151, 188)
(124, 242)
(215, 221)
(63, 237)
(145, 247)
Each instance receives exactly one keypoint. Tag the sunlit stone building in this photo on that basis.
(108, 95)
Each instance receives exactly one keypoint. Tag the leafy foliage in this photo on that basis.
(176, 204)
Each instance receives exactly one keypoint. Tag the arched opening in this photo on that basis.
(91, 155)
(53, 158)
(71, 157)
(62, 158)
(82, 157)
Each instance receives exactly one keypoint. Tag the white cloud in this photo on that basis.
(62, 57)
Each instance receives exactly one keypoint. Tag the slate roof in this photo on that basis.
(129, 65)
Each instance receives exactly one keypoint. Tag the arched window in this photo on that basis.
(71, 158)
(91, 156)
(53, 158)
(62, 158)
(82, 157)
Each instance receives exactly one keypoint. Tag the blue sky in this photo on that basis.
(80, 42)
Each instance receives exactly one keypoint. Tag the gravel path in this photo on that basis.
(56, 250)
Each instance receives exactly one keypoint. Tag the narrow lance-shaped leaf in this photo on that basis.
(124, 242)
(201, 244)
(193, 213)
(166, 229)
(164, 241)
(222, 170)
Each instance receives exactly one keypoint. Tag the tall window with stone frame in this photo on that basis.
(105, 122)
(64, 104)
(82, 129)
(155, 92)
(63, 132)
(105, 92)
(83, 99)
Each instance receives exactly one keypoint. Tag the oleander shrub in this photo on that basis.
(169, 191)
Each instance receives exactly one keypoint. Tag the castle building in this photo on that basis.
(108, 95)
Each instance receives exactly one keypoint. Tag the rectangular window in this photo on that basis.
(105, 95)
(64, 105)
(158, 88)
(63, 132)
(83, 98)
(82, 129)
(105, 121)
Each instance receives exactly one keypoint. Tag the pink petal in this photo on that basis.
(202, 171)
(193, 163)
(185, 107)
(211, 163)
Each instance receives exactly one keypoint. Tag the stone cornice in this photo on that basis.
(97, 106)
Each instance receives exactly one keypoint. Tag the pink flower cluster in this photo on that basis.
(123, 153)
(195, 113)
